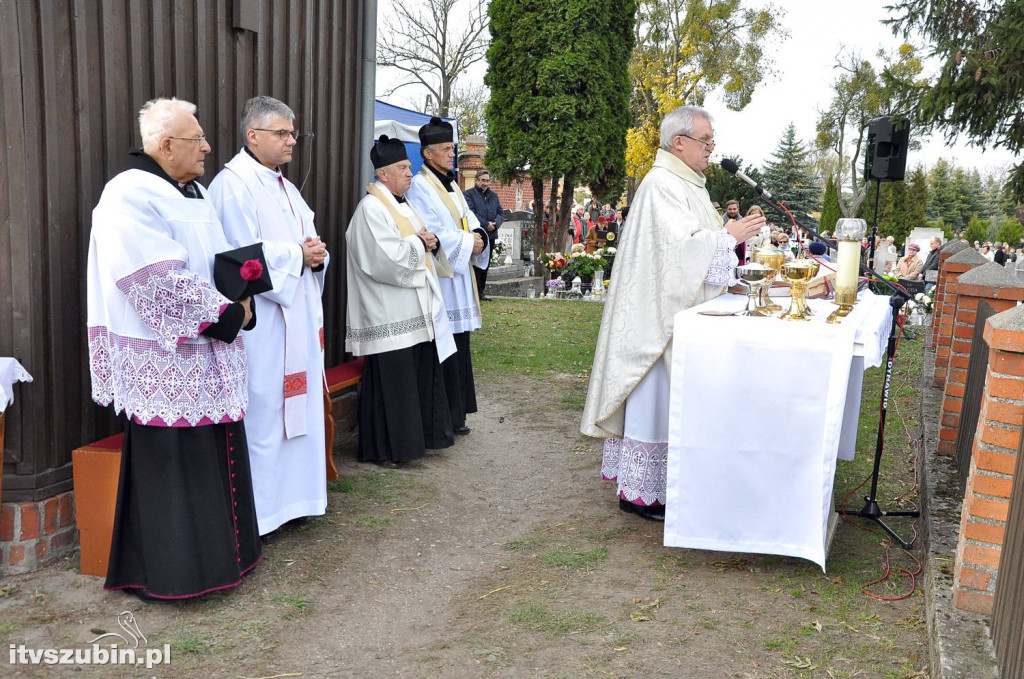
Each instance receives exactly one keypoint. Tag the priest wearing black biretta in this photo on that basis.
(436, 196)
(396, 317)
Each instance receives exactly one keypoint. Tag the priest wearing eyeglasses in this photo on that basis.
(257, 204)
(677, 254)
(397, 318)
(165, 350)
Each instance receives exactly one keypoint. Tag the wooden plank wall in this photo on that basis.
(74, 74)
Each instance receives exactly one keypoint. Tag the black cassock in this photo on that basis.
(403, 409)
(185, 523)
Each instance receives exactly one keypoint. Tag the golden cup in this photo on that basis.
(754, 276)
(769, 255)
(799, 272)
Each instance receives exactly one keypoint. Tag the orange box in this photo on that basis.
(97, 470)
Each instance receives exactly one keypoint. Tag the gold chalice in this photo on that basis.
(799, 272)
(754, 276)
(769, 255)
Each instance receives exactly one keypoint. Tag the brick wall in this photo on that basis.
(1001, 289)
(994, 461)
(945, 314)
(948, 249)
(33, 534)
(514, 196)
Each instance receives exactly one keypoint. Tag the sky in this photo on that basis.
(804, 65)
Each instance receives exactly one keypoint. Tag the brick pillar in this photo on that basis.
(942, 321)
(1002, 290)
(948, 249)
(993, 463)
(33, 534)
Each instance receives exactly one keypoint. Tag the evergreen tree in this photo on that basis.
(557, 107)
(895, 219)
(830, 210)
(1010, 231)
(977, 230)
(723, 187)
(917, 198)
(791, 176)
(980, 88)
(945, 202)
(970, 192)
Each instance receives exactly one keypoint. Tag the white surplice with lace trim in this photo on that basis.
(674, 255)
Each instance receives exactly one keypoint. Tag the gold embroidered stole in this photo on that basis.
(406, 228)
(460, 221)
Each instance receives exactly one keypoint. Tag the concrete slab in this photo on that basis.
(968, 256)
(991, 274)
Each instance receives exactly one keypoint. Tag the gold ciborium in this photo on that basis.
(799, 272)
(769, 255)
(754, 276)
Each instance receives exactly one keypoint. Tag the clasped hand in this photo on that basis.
(314, 252)
(478, 243)
(429, 239)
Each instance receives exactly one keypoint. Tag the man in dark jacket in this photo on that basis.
(931, 263)
(485, 205)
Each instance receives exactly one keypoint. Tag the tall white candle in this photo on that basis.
(849, 266)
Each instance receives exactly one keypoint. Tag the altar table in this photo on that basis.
(760, 410)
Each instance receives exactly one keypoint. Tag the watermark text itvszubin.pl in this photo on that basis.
(90, 655)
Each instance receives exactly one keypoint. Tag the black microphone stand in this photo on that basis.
(899, 297)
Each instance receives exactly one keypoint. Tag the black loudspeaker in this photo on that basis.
(886, 156)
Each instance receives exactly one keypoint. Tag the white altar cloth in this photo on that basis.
(756, 418)
(10, 372)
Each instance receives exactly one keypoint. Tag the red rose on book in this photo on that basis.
(251, 270)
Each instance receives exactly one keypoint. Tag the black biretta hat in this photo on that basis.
(242, 272)
(387, 151)
(437, 131)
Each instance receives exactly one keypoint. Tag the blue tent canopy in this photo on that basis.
(401, 123)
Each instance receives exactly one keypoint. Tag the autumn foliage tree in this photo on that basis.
(684, 49)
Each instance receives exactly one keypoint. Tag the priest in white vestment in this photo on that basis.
(396, 318)
(676, 254)
(285, 423)
(436, 197)
(165, 350)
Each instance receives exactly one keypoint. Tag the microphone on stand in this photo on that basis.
(730, 166)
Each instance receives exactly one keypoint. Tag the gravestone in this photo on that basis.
(510, 233)
(885, 261)
(923, 237)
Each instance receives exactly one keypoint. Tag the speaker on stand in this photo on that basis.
(885, 160)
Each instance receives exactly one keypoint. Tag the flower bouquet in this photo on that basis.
(554, 261)
(497, 253)
(586, 263)
(925, 301)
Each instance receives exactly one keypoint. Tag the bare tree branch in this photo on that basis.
(424, 42)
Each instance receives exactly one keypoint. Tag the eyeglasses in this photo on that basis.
(708, 145)
(280, 134)
(200, 139)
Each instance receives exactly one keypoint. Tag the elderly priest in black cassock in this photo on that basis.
(397, 317)
(165, 349)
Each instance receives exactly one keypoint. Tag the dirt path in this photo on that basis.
(504, 556)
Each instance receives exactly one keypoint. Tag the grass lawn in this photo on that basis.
(542, 339)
